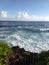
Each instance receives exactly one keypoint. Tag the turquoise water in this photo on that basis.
(34, 38)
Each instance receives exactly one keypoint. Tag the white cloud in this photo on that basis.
(4, 14)
(26, 17)
(22, 16)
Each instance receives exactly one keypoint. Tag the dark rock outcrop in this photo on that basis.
(18, 57)
(21, 57)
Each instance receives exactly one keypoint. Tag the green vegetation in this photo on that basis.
(4, 51)
(26, 53)
(41, 58)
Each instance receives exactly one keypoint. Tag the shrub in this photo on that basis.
(4, 51)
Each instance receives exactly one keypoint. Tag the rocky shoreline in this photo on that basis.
(18, 56)
(21, 57)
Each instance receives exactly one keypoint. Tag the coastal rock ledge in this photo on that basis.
(21, 57)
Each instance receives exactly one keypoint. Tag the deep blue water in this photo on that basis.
(32, 36)
(25, 23)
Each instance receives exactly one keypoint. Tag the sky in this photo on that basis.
(24, 10)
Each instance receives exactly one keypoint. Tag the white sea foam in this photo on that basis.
(33, 43)
(30, 41)
(44, 29)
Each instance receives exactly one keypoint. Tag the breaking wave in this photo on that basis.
(27, 37)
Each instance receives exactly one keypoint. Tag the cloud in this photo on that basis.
(4, 14)
(22, 16)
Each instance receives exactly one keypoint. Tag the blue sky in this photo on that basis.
(31, 8)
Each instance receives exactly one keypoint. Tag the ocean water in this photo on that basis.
(32, 36)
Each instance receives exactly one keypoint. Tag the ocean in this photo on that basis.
(33, 36)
